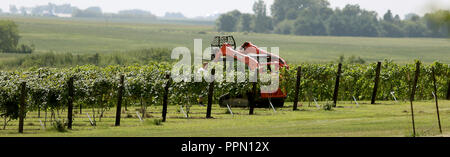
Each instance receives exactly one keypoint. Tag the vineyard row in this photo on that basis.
(99, 88)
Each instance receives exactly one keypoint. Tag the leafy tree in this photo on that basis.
(284, 27)
(388, 16)
(415, 29)
(262, 22)
(438, 22)
(366, 23)
(412, 16)
(392, 29)
(292, 14)
(228, 22)
(392, 26)
(338, 24)
(314, 17)
(313, 26)
(353, 21)
(9, 36)
(312, 21)
(397, 18)
(235, 13)
(245, 23)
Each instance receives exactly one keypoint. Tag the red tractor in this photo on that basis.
(225, 46)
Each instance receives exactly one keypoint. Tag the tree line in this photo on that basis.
(52, 10)
(315, 17)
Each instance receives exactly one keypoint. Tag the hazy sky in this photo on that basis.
(192, 8)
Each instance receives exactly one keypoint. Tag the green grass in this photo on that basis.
(90, 36)
(384, 119)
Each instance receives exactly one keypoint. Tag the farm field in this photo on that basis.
(89, 36)
(386, 118)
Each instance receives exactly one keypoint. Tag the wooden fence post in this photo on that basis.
(436, 98)
(413, 92)
(22, 106)
(166, 93)
(377, 79)
(81, 112)
(448, 90)
(210, 94)
(252, 97)
(297, 87)
(119, 101)
(70, 103)
(39, 106)
(252, 94)
(81, 108)
(336, 86)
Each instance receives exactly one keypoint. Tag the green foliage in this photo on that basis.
(392, 30)
(353, 21)
(284, 27)
(314, 17)
(262, 23)
(157, 121)
(9, 36)
(59, 126)
(438, 22)
(25, 49)
(9, 39)
(228, 22)
(245, 23)
(388, 17)
(358, 80)
(52, 59)
(9, 104)
(351, 60)
(97, 87)
(236, 21)
(327, 107)
(313, 26)
(415, 29)
(9, 97)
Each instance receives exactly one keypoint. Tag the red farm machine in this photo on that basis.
(250, 55)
